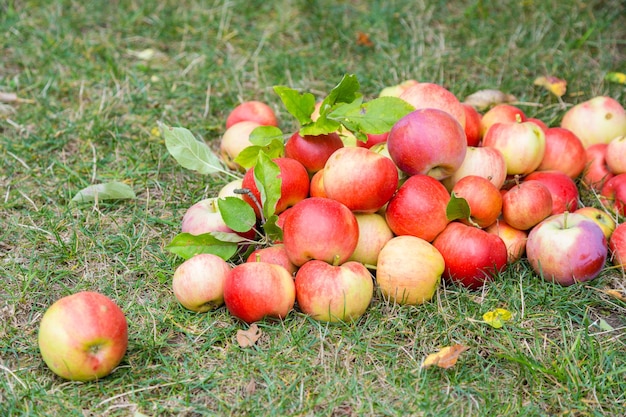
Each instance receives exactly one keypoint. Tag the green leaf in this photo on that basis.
(346, 91)
(301, 106)
(189, 152)
(248, 157)
(264, 135)
(272, 231)
(237, 214)
(268, 182)
(322, 126)
(457, 208)
(107, 191)
(187, 245)
(376, 116)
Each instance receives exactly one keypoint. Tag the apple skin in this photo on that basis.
(198, 282)
(228, 189)
(252, 110)
(539, 123)
(204, 217)
(526, 204)
(472, 125)
(601, 217)
(483, 198)
(562, 188)
(617, 245)
(294, 186)
(409, 270)
(596, 171)
(564, 152)
(234, 140)
(316, 188)
(472, 256)
(434, 96)
(482, 161)
(320, 228)
(427, 141)
(501, 113)
(257, 290)
(374, 232)
(514, 239)
(598, 120)
(418, 208)
(398, 89)
(83, 336)
(359, 178)
(613, 194)
(275, 254)
(523, 145)
(567, 248)
(334, 293)
(372, 139)
(616, 155)
(312, 151)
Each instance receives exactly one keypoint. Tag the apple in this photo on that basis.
(409, 270)
(274, 254)
(427, 141)
(294, 185)
(483, 198)
(562, 188)
(334, 293)
(83, 336)
(374, 232)
(472, 125)
(598, 120)
(316, 188)
(564, 152)
(601, 217)
(256, 290)
(228, 190)
(372, 139)
(596, 171)
(253, 110)
(198, 282)
(523, 145)
(539, 123)
(617, 245)
(613, 194)
(616, 155)
(482, 161)
(567, 248)
(312, 151)
(359, 178)
(501, 113)
(418, 208)
(234, 140)
(434, 96)
(514, 239)
(398, 89)
(205, 217)
(320, 228)
(526, 204)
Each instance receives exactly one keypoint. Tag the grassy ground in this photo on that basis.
(92, 101)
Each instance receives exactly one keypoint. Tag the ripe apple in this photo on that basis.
(613, 194)
(562, 188)
(501, 113)
(472, 125)
(275, 254)
(316, 188)
(434, 96)
(601, 217)
(567, 248)
(526, 204)
(312, 151)
(472, 256)
(596, 172)
(564, 152)
(409, 270)
(418, 208)
(253, 110)
(427, 141)
(372, 139)
(256, 290)
(398, 89)
(514, 239)
(234, 140)
(333, 293)
(523, 145)
(228, 189)
(359, 178)
(83, 336)
(539, 123)
(482, 161)
(320, 228)
(616, 155)
(617, 245)
(198, 282)
(374, 232)
(598, 120)
(483, 198)
(204, 217)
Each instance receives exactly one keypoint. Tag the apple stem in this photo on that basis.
(565, 219)
(336, 260)
(249, 193)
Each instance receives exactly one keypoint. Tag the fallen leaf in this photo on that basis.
(250, 388)
(616, 294)
(497, 317)
(247, 338)
(363, 39)
(483, 99)
(445, 358)
(616, 77)
(555, 85)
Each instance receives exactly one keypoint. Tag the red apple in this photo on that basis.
(613, 194)
(514, 239)
(601, 217)
(567, 248)
(312, 151)
(418, 208)
(482, 161)
(501, 113)
(483, 198)
(526, 204)
(434, 96)
(596, 171)
(617, 245)
(333, 293)
(372, 139)
(204, 217)
(198, 282)
(252, 110)
(409, 270)
(598, 120)
(234, 140)
(472, 256)
(523, 145)
(320, 228)
(275, 254)
(359, 178)
(398, 89)
(564, 152)
(374, 232)
(316, 189)
(256, 290)
(83, 336)
(562, 188)
(427, 141)
(472, 125)
(616, 155)
(539, 123)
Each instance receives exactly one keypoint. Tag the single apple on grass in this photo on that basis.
(333, 293)
(83, 336)
(472, 256)
(483, 198)
(523, 145)
(562, 188)
(598, 120)
(198, 282)
(482, 161)
(616, 155)
(567, 248)
(234, 140)
(526, 204)
(434, 96)
(257, 290)
(514, 239)
(501, 113)
(409, 270)
(617, 245)
(596, 171)
(312, 151)
(274, 254)
(601, 217)
(374, 232)
(613, 194)
(564, 152)
(253, 110)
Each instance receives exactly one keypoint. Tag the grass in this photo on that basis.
(91, 106)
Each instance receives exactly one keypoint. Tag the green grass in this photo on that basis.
(92, 106)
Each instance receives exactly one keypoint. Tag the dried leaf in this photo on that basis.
(363, 39)
(445, 358)
(616, 294)
(247, 338)
(483, 99)
(497, 317)
(616, 77)
(250, 388)
(555, 85)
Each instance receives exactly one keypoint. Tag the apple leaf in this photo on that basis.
(322, 126)
(457, 208)
(483, 99)
(247, 338)
(445, 358)
(237, 214)
(268, 181)
(187, 245)
(108, 191)
(272, 231)
(616, 77)
(497, 317)
(248, 157)
(346, 91)
(301, 106)
(264, 135)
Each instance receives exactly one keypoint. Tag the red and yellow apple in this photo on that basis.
(514, 239)
(562, 188)
(374, 232)
(198, 282)
(617, 245)
(501, 113)
(312, 151)
(483, 198)
(234, 140)
(526, 204)
(601, 217)
(482, 161)
(564, 152)
(616, 155)
(425, 95)
(274, 254)
(596, 171)
(598, 120)
(253, 110)
(523, 145)
(613, 194)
